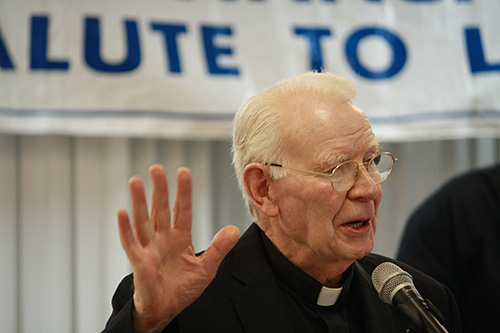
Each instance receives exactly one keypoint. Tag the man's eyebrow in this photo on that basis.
(375, 142)
(332, 160)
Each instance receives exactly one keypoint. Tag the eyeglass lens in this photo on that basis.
(379, 169)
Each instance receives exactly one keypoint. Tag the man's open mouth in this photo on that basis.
(356, 224)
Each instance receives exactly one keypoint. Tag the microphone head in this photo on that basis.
(388, 278)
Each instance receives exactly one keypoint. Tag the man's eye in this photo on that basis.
(329, 171)
(369, 156)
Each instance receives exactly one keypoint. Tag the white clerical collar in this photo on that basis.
(328, 296)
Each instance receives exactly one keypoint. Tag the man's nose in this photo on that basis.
(364, 187)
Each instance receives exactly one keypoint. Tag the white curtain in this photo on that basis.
(60, 254)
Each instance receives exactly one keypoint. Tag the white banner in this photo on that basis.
(172, 68)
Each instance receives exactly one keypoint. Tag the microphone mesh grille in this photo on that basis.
(386, 277)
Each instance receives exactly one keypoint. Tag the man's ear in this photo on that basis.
(258, 183)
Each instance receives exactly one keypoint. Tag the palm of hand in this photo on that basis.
(168, 276)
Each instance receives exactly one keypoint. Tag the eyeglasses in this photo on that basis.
(344, 176)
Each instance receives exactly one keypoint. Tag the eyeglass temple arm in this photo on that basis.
(273, 164)
(297, 169)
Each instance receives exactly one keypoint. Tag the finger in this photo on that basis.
(221, 244)
(140, 215)
(160, 211)
(129, 243)
(183, 212)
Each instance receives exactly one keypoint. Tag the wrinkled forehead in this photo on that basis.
(305, 116)
(339, 126)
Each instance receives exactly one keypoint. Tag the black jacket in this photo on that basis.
(245, 297)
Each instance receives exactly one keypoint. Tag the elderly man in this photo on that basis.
(310, 170)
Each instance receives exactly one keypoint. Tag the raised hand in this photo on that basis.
(168, 276)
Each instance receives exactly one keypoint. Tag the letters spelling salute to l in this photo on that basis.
(310, 169)
(132, 55)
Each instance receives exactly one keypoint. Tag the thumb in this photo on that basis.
(221, 244)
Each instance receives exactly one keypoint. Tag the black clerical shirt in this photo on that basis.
(303, 291)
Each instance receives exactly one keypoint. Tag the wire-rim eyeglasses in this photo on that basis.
(344, 176)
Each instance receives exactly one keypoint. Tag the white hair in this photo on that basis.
(258, 124)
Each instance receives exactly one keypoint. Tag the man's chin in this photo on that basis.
(361, 252)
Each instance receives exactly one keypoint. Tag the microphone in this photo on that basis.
(395, 287)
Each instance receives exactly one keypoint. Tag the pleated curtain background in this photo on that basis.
(60, 253)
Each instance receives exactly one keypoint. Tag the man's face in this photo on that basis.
(316, 225)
